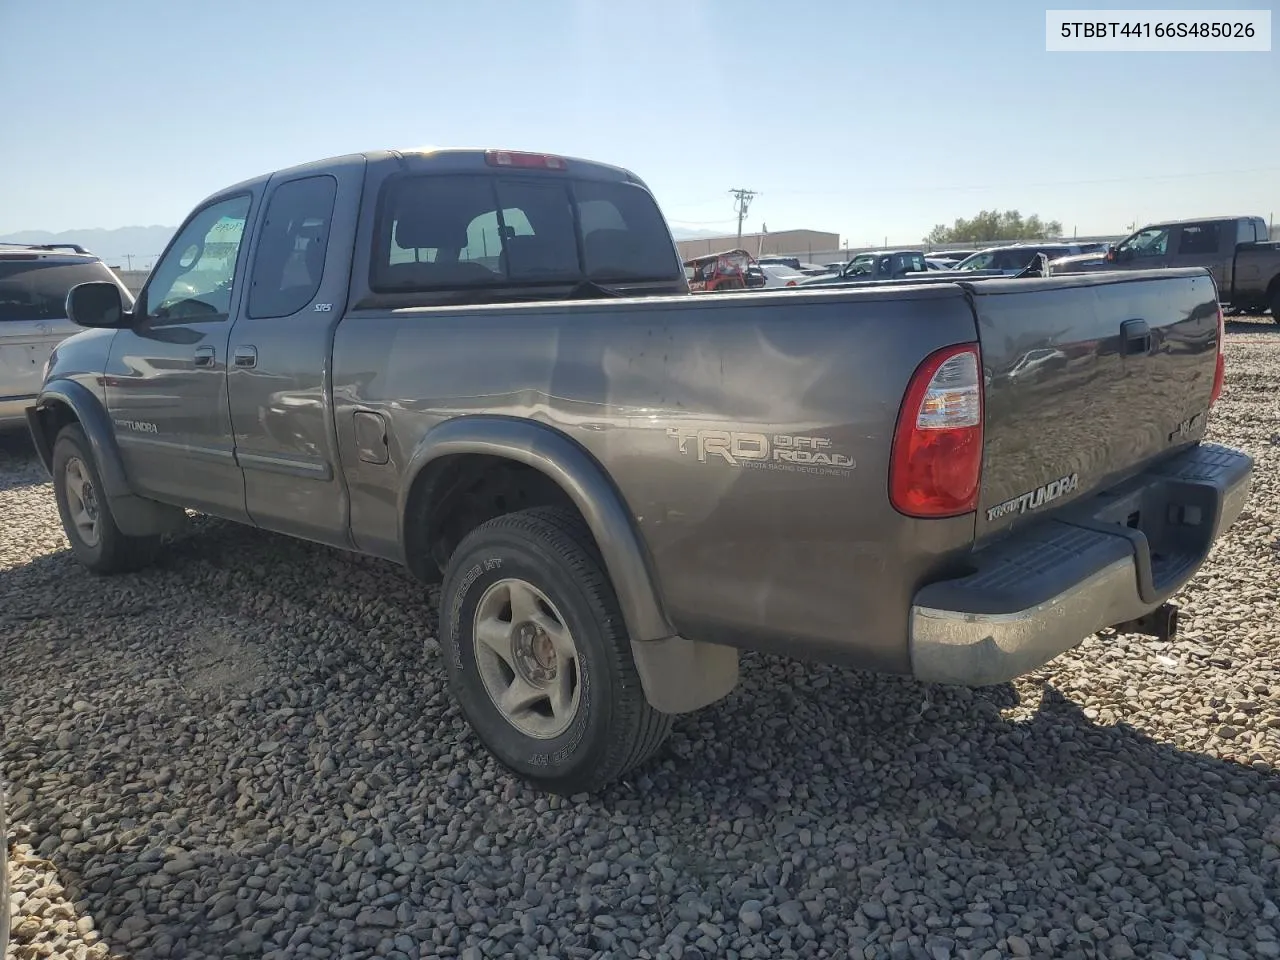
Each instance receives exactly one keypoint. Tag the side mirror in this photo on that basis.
(95, 304)
(1112, 255)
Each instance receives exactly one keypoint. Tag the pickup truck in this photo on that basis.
(1244, 263)
(487, 366)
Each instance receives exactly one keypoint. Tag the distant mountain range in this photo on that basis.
(144, 244)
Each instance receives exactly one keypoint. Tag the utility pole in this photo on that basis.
(741, 201)
(129, 260)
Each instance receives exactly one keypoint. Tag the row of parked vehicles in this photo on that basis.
(1236, 250)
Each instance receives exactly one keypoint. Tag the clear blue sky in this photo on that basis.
(868, 119)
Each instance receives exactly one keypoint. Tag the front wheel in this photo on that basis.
(538, 657)
(86, 516)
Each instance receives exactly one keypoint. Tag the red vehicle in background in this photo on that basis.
(728, 270)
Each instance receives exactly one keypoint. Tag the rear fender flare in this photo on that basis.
(134, 515)
(678, 675)
(580, 477)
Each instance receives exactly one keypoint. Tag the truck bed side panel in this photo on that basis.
(749, 437)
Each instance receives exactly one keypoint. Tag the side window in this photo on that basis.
(1148, 243)
(980, 261)
(1247, 231)
(194, 279)
(288, 264)
(1198, 239)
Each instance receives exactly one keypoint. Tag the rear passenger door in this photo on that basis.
(278, 374)
(1199, 245)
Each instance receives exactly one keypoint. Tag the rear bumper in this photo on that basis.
(1113, 558)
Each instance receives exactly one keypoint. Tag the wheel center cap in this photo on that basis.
(535, 655)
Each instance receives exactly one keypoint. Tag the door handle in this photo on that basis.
(205, 356)
(1136, 336)
(246, 356)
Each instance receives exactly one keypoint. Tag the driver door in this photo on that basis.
(1146, 250)
(166, 380)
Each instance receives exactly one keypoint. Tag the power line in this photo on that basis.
(741, 201)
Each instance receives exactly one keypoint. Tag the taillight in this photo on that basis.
(512, 158)
(936, 463)
(1220, 369)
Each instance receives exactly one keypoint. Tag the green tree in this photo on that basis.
(995, 225)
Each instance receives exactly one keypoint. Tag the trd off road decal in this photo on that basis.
(1036, 498)
(780, 451)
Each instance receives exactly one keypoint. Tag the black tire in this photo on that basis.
(1275, 305)
(613, 728)
(111, 550)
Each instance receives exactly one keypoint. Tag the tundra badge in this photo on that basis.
(1034, 499)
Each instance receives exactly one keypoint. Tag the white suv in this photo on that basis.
(34, 281)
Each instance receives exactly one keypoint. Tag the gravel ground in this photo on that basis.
(244, 752)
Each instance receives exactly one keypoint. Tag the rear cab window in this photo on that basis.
(467, 231)
(1247, 232)
(35, 288)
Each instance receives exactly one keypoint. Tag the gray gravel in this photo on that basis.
(245, 752)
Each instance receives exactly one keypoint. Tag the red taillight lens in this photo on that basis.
(511, 158)
(1220, 370)
(936, 464)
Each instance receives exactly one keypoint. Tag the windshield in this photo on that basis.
(462, 231)
(37, 289)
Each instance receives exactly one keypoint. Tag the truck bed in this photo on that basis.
(800, 550)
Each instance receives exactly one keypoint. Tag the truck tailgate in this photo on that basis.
(1088, 379)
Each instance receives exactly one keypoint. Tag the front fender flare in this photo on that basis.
(95, 422)
(581, 478)
(134, 515)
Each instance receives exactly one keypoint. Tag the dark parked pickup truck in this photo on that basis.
(877, 265)
(487, 366)
(1245, 264)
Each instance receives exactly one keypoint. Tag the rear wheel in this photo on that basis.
(86, 516)
(1275, 305)
(538, 657)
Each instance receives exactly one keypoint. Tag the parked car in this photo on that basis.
(777, 275)
(935, 264)
(34, 281)
(1014, 258)
(621, 485)
(876, 265)
(1245, 264)
(956, 255)
(792, 262)
(796, 264)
